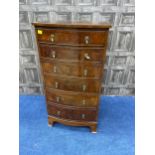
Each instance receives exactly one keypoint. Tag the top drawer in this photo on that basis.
(73, 37)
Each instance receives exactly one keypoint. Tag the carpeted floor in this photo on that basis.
(115, 134)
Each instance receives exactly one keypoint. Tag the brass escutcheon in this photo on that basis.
(84, 87)
(86, 39)
(85, 72)
(52, 37)
(58, 99)
(83, 116)
(56, 84)
(54, 69)
(86, 56)
(53, 55)
(83, 102)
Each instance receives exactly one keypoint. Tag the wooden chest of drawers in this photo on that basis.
(72, 57)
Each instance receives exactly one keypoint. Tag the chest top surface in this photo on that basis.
(87, 25)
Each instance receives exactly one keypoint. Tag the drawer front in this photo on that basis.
(72, 84)
(73, 37)
(80, 114)
(72, 99)
(68, 53)
(92, 70)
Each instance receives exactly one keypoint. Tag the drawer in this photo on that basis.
(66, 112)
(72, 84)
(73, 37)
(72, 99)
(92, 70)
(70, 53)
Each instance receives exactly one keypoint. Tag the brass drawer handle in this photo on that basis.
(53, 54)
(83, 116)
(84, 87)
(56, 85)
(52, 37)
(58, 98)
(84, 102)
(58, 112)
(86, 39)
(86, 56)
(85, 72)
(54, 69)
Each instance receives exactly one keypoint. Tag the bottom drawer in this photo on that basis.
(65, 112)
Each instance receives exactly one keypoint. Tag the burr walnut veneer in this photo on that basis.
(72, 57)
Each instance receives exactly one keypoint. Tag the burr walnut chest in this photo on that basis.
(72, 57)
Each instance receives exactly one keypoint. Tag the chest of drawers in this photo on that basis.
(72, 57)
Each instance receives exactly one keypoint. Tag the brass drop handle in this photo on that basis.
(53, 54)
(86, 39)
(83, 116)
(52, 37)
(85, 72)
(54, 69)
(83, 102)
(58, 112)
(56, 85)
(84, 87)
(58, 98)
(86, 56)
